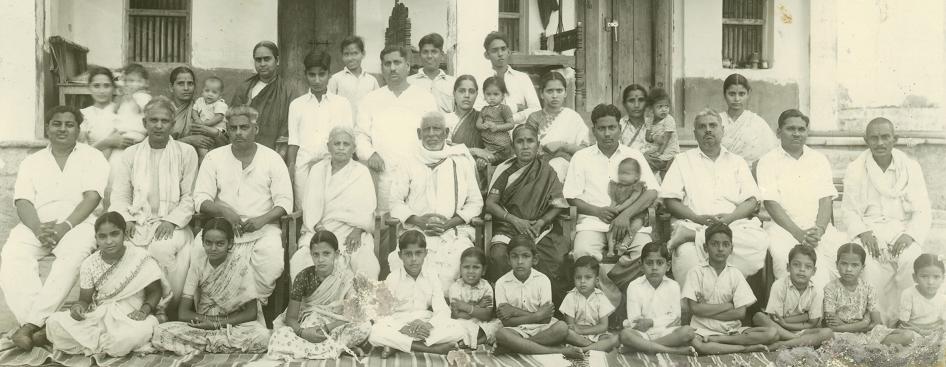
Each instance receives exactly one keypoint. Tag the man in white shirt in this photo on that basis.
(247, 184)
(431, 77)
(56, 190)
(797, 190)
(521, 98)
(352, 82)
(706, 185)
(387, 120)
(436, 192)
(311, 117)
(887, 209)
(586, 187)
(152, 188)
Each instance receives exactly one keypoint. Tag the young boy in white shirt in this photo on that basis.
(587, 309)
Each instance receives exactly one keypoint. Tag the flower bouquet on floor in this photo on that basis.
(371, 300)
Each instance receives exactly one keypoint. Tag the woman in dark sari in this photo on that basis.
(186, 127)
(525, 197)
(462, 122)
(270, 94)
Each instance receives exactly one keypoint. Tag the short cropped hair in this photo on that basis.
(403, 50)
(317, 58)
(65, 109)
(603, 110)
(492, 36)
(521, 240)
(790, 113)
(159, 102)
(411, 237)
(587, 262)
(707, 112)
(718, 227)
(433, 39)
(353, 40)
(247, 111)
(803, 250)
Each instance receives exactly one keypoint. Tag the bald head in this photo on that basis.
(880, 137)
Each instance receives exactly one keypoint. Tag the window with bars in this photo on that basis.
(514, 22)
(158, 31)
(745, 34)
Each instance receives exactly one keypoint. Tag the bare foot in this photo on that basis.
(573, 352)
(39, 338)
(775, 346)
(499, 350)
(756, 348)
(23, 337)
(689, 350)
(387, 352)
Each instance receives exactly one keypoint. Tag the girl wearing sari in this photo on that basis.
(219, 311)
(633, 126)
(313, 326)
(525, 197)
(120, 288)
(187, 128)
(747, 135)
(340, 199)
(270, 94)
(562, 132)
(462, 125)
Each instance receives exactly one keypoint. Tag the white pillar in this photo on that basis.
(19, 80)
(824, 65)
(475, 19)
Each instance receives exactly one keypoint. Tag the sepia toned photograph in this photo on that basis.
(460, 183)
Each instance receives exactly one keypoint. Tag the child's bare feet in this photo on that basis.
(688, 350)
(757, 348)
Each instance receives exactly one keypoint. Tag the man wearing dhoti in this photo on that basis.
(709, 184)
(798, 191)
(247, 184)
(887, 209)
(436, 192)
(387, 118)
(56, 190)
(152, 189)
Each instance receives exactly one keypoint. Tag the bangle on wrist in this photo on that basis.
(68, 223)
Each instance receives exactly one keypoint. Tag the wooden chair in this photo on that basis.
(68, 62)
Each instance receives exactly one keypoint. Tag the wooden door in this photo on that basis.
(632, 44)
(305, 25)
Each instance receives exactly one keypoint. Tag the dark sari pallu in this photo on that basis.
(534, 190)
(272, 103)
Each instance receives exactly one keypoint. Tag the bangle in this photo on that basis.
(471, 309)
(505, 214)
(68, 223)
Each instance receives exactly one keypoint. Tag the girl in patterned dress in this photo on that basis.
(850, 304)
(471, 300)
(313, 326)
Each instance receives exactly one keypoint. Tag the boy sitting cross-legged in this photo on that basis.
(524, 305)
(717, 295)
(795, 304)
(421, 321)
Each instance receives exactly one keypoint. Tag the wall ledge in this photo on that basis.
(848, 141)
(27, 144)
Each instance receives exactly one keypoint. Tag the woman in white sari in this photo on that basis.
(341, 199)
(562, 131)
(315, 325)
(119, 290)
(746, 133)
(219, 307)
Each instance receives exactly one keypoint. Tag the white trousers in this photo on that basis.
(30, 299)
(361, 261)
(887, 274)
(781, 243)
(749, 246)
(266, 259)
(386, 333)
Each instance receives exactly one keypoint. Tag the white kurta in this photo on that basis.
(704, 285)
(441, 87)
(55, 193)
(710, 187)
(352, 86)
(387, 124)
(661, 305)
(889, 203)
(447, 189)
(798, 185)
(310, 122)
(251, 192)
(418, 298)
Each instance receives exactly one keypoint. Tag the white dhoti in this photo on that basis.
(172, 255)
(749, 246)
(889, 275)
(361, 261)
(266, 259)
(443, 254)
(30, 299)
(781, 243)
(107, 329)
(386, 331)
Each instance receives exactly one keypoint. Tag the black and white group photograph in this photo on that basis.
(473, 183)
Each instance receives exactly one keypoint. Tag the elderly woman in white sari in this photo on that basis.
(562, 132)
(341, 199)
(119, 291)
(314, 325)
(219, 308)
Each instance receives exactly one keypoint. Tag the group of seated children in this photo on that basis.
(521, 317)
